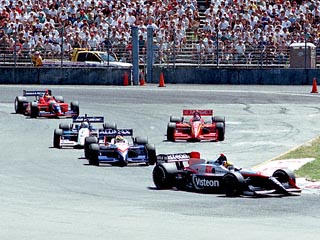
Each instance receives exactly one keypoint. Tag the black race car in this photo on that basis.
(187, 171)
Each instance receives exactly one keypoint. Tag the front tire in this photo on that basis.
(171, 129)
(220, 131)
(233, 184)
(87, 142)
(34, 110)
(57, 138)
(94, 150)
(19, 104)
(284, 176)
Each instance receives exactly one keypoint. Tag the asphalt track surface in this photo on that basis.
(48, 193)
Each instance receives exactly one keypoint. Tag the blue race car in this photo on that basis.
(113, 147)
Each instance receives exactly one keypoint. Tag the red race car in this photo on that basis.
(196, 128)
(45, 105)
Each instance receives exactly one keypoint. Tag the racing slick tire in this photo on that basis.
(59, 99)
(87, 142)
(171, 129)
(164, 175)
(233, 184)
(34, 110)
(110, 126)
(75, 107)
(176, 119)
(217, 119)
(220, 130)
(57, 138)
(94, 154)
(19, 104)
(284, 175)
(152, 156)
(141, 140)
(64, 126)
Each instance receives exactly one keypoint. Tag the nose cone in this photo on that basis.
(123, 150)
(195, 129)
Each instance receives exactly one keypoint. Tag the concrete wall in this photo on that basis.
(188, 75)
(68, 76)
(237, 76)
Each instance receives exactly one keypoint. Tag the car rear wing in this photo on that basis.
(178, 157)
(190, 112)
(110, 133)
(90, 119)
(37, 93)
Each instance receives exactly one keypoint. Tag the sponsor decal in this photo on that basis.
(189, 112)
(173, 157)
(33, 93)
(201, 183)
(88, 119)
(178, 156)
(113, 132)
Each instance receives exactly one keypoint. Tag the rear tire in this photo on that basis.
(75, 107)
(110, 126)
(233, 184)
(64, 126)
(164, 175)
(152, 155)
(217, 119)
(171, 129)
(59, 99)
(141, 140)
(176, 119)
(94, 150)
(57, 138)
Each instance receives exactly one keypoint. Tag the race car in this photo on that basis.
(73, 135)
(45, 105)
(196, 128)
(187, 171)
(113, 147)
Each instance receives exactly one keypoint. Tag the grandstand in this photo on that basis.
(218, 33)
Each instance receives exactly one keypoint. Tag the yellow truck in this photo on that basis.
(84, 57)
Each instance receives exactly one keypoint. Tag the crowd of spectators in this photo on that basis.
(236, 29)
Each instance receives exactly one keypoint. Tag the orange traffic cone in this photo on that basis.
(142, 82)
(314, 86)
(161, 82)
(125, 79)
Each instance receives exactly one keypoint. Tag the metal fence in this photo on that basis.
(189, 53)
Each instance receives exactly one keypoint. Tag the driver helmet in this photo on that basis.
(196, 116)
(47, 95)
(119, 138)
(222, 159)
(84, 125)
